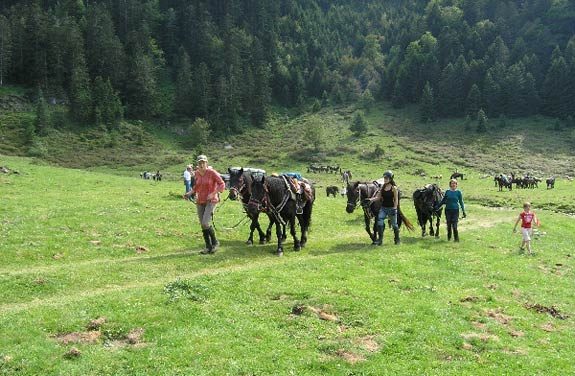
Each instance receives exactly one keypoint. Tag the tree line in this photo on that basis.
(228, 61)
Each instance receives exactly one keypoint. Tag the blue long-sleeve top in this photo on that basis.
(452, 199)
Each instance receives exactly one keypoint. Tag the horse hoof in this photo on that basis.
(280, 253)
(263, 241)
(249, 242)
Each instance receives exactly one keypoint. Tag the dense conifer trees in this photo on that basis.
(227, 61)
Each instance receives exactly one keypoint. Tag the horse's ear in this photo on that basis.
(241, 171)
(230, 170)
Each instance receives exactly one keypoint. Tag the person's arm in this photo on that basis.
(536, 219)
(220, 185)
(376, 197)
(516, 222)
(395, 197)
(460, 199)
(441, 203)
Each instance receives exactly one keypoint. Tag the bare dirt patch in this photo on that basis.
(349, 356)
(368, 343)
(498, 316)
(79, 337)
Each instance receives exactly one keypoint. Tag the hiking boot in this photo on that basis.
(213, 241)
(396, 239)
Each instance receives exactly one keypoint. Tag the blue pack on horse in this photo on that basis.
(362, 192)
(241, 187)
(285, 200)
(425, 200)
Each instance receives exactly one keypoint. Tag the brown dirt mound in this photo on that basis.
(553, 311)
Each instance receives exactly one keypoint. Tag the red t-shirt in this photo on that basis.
(209, 183)
(526, 219)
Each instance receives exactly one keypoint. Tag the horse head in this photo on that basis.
(238, 183)
(352, 193)
(259, 197)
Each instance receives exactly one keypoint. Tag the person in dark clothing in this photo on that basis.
(389, 197)
(452, 200)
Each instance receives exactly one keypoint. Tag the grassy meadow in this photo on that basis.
(101, 273)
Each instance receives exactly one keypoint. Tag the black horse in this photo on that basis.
(331, 190)
(425, 200)
(504, 182)
(550, 182)
(241, 186)
(277, 196)
(456, 175)
(359, 192)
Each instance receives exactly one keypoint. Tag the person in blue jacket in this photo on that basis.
(452, 200)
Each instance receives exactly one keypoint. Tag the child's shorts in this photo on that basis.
(527, 232)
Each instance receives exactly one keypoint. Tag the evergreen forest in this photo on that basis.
(230, 61)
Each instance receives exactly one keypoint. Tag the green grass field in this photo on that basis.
(101, 273)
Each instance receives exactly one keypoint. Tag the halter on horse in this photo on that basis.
(240, 186)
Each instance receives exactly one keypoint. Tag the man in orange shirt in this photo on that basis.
(207, 188)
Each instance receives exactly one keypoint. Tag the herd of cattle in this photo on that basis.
(527, 181)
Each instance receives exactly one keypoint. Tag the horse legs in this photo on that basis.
(368, 228)
(280, 250)
(437, 227)
(269, 229)
(296, 242)
(431, 231)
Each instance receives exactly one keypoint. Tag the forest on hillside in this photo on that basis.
(228, 61)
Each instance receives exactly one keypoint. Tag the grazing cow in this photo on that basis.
(331, 190)
(550, 182)
(425, 200)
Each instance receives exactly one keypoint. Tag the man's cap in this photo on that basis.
(202, 157)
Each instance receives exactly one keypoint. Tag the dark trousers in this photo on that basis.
(452, 217)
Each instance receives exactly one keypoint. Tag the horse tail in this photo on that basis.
(406, 221)
(306, 216)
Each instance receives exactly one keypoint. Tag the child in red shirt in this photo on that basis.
(527, 218)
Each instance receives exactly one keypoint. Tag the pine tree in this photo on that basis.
(366, 100)
(554, 90)
(42, 122)
(199, 133)
(427, 108)
(202, 91)
(184, 85)
(107, 105)
(314, 132)
(491, 95)
(262, 95)
(481, 121)
(80, 93)
(5, 47)
(473, 102)
(358, 125)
